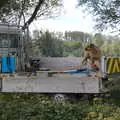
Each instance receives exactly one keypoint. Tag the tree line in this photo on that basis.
(71, 43)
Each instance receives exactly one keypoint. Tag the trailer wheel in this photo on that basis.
(59, 97)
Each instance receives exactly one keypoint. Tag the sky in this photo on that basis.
(74, 19)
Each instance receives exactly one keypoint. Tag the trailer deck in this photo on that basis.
(58, 83)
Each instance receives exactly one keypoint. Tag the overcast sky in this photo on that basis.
(74, 19)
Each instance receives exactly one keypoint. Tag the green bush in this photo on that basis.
(40, 107)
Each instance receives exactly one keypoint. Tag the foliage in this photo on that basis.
(111, 49)
(72, 48)
(77, 35)
(98, 39)
(41, 107)
(28, 106)
(49, 45)
(106, 12)
(25, 11)
(2, 3)
(63, 44)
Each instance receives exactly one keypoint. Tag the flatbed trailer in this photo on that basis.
(57, 82)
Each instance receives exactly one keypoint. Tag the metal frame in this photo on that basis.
(9, 29)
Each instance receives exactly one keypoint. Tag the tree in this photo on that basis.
(107, 12)
(36, 34)
(77, 35)
(28, 10)
(72, 48)
(48, 45)
(98, 39)
(3, 2)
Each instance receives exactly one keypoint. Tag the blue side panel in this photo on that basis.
(11, 64)
(4, 66)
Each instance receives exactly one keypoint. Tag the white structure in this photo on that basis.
(11, 43)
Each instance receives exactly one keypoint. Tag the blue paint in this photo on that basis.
(81, 71)
(4, 65)
(11, 64)
(76, 72)
(7, 64)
